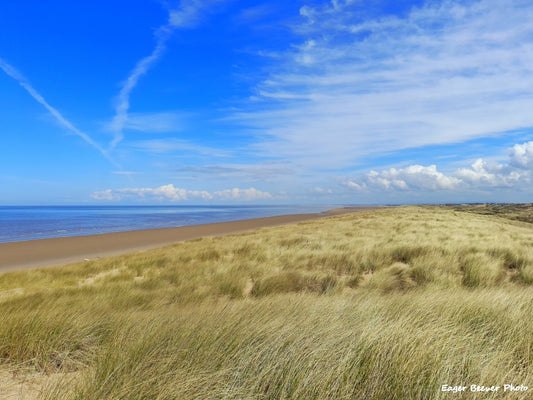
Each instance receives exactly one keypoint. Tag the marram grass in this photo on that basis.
(388, 304)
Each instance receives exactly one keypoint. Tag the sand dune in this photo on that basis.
(65, 250)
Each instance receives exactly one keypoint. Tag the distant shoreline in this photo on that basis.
(72, 249)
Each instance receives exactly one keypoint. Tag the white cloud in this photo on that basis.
(482, 174)
(359, 85)
(171, 193)
(355, 185)
(411, 177)
(320, 190)
(516, 173)
(165, 192)
(521, 155)
(106, 195)
(16, 75)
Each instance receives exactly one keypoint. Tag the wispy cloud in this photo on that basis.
(16, 75)
(172, 145)
(320, 191)
(126, 172)
(259, 171)
(171, 193)
(255, 13)
(123, 100)
(358, 86)
(184, 16)
(154, 122)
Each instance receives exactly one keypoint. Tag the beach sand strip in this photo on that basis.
(66, 250)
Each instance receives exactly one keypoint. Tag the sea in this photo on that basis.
(18, 223)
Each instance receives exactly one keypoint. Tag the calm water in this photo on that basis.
(35, 222)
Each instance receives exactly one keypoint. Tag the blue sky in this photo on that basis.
(228, 101)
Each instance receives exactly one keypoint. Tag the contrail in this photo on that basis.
(184, 17)
(121, 110)
(13, 73)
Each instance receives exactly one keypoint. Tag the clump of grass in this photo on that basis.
(47, 337)
(292, 281)
(510, 259)
(481, 270)
(231, 283)
(525, 274)
(406, 253)
(397, 277)
(440, 270)
(209, 254)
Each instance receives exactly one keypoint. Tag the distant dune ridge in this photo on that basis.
(388, 303)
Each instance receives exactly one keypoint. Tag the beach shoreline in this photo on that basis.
(72, 249)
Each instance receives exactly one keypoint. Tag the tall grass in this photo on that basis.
(388, 304)
(518, 212)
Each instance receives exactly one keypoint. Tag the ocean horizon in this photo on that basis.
(20, 223)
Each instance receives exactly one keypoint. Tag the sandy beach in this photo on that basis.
(65, 250)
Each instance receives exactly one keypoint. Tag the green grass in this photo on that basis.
(388, 304)
(518, 212)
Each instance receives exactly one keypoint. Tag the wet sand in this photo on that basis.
(65, 250)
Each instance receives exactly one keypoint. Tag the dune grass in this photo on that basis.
(387, 304)
(518, 212)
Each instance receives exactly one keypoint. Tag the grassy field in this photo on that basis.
(386, 304)
(519, 212)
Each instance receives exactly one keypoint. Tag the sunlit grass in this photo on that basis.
(385, 304)
(518, 212)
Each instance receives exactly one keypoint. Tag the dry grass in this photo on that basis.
(385, 304)
(518, 212)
